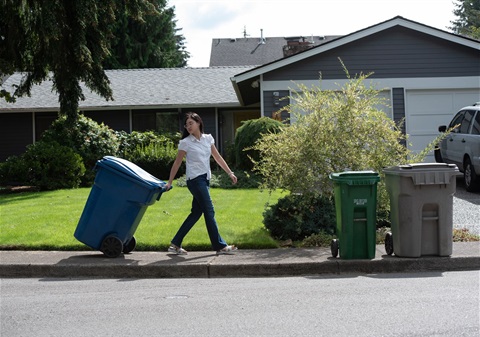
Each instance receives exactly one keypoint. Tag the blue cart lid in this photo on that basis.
(130, 169)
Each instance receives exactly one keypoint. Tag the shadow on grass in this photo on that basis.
(18, 197)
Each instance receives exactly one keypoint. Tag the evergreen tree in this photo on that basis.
(468, 22)
(64, 40)
(152, 43)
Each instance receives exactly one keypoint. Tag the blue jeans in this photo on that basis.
(201, 204)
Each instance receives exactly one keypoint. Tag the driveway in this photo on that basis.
(466, 208)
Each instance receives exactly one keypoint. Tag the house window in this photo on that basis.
(161, 122)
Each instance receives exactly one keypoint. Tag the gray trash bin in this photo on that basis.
(421, 209)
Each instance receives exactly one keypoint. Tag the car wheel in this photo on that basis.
(472, 183)
(438, 155)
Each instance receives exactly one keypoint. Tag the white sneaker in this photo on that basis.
(177, 250)
(227, 250)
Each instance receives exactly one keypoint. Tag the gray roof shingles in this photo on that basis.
(141, 88)
(249, 50)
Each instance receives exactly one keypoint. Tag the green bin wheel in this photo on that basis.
(130, 245)
(111, 246)
(334, 247)
(389, 243)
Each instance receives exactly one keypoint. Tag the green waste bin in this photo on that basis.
(355, 205)
(421, 209)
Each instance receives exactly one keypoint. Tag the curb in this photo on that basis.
(150, 265)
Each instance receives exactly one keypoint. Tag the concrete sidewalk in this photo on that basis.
(245, 263)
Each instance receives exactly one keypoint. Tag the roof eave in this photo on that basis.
(127, 107)
(237, 91)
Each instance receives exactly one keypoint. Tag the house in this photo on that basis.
(426, 74)
(144, 99)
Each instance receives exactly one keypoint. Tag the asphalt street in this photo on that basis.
(395, 304)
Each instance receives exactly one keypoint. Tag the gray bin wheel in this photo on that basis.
(111, 246)
(130, 245)
(389, 243)
(334, 247)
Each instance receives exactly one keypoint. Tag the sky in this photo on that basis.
(204, 20)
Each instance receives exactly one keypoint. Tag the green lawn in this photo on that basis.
(47, 220)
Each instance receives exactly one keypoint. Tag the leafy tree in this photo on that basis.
(86, 137)
(468, 22)
(335, 131)
(153, 43)
(64, 40)
(247, 134)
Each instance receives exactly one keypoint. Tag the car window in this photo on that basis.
(457, 120)
(476, 124)
(467, 121)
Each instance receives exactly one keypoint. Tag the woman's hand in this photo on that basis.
(233, 177)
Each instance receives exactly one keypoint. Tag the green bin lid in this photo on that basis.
(355, 177)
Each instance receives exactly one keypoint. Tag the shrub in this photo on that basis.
(308, 218)
(246, 137)
(245, 179)
(13, 172)
(129, 142)
(229, 152)
(153, 152)
(298, 216)
(334, 131)
(155, 158)
(47, 165)
(321, 239)
(92, 141)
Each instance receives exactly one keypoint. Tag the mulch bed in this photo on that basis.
(18, 189)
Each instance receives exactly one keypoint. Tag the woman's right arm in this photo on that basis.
(176, 165)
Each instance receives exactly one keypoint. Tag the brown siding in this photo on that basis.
(43, 121)
(115, 119)
(16, 132)
(208, 118)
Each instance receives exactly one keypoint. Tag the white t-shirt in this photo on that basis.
(198, 155)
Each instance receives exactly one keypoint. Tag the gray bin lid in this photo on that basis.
(425, 173)
(130, 169)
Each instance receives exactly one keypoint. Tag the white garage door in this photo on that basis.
(427, 109)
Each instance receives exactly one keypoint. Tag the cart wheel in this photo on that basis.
(130, 245)
(111, 246)
(334, 247)
(389, 243)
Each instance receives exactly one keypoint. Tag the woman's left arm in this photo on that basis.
(223, 164)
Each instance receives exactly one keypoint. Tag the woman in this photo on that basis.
(197, 147)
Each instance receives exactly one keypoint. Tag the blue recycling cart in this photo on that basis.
(119, 197)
